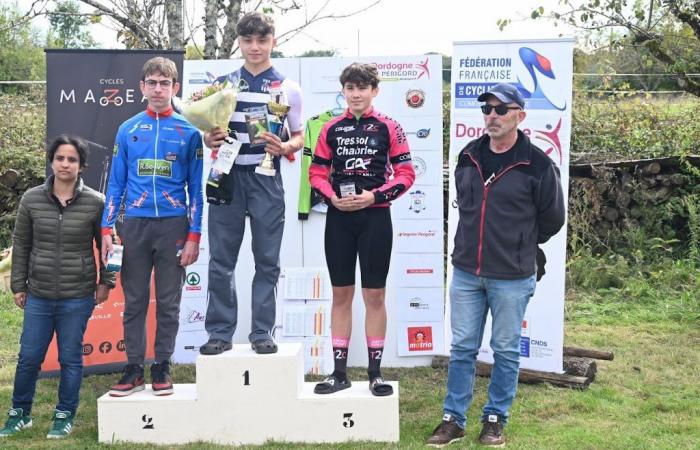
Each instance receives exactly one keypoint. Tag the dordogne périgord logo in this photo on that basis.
(111, 92)
(403, 71)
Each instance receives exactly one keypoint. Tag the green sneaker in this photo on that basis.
(17, 421)
(62, 425)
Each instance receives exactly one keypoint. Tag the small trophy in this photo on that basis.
(277, 109)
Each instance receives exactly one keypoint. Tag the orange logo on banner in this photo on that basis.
(420, 339)
(103, 342)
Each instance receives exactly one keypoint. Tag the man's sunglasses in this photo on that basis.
(501, 109)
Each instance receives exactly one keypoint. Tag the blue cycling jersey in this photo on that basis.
(156, 167)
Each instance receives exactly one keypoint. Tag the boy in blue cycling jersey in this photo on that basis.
(156, 177)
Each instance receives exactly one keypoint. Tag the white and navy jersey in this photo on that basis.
(253, 91)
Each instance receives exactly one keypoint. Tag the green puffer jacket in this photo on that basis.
(52, 245)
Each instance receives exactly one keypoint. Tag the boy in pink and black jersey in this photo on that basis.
(361, 163)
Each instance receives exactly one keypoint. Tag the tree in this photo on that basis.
(668, 31)
(167, 25)
(317, 53)
(21, 54)
(68, 27)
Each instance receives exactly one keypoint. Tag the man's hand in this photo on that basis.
(107, 248)
(189, 254)
(215, 138)
(21, 299)
(274, 145)
(101, 293)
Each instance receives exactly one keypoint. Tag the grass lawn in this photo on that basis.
(647, 398)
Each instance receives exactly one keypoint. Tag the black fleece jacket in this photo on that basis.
(502, 220)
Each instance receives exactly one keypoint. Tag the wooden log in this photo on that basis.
(588, 353)
(580, 372)
(677, 179)
(652, 168)
(528, 376)
(580, 367)
(611, 214)
(9, 178)
(657, 195)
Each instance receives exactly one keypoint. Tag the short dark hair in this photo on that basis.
(163, 66)
(80, 144)
(255, 23)
(360, 73)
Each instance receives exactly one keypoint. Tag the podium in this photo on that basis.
(241, 397)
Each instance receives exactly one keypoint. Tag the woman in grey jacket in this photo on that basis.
(54, 280)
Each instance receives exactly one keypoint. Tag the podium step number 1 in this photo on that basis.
(241, 397)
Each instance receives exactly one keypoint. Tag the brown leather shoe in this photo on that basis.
(492, 432)
(446, 433)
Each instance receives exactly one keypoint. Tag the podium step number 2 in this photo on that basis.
(244, 398)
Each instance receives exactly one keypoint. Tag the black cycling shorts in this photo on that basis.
(367, 233)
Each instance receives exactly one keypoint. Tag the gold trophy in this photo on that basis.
(277, 109)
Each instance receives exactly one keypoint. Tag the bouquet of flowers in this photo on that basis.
(209, 108)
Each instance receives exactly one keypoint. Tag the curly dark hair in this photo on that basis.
(360, 73)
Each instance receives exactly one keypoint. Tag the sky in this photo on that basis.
(394, 27)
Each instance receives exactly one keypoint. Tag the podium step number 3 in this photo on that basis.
(241, 397)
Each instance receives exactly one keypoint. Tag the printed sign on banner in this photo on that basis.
(417, 236)
(426, 165)
(421, 338)
(417, 270)
(420, 304)
(192, 314)
(420, 202)
(422, 132)
(196, 281)
(542, 72)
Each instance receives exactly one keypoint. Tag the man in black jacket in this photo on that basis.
(510, 200)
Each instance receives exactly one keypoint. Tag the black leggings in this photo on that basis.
(367, 232)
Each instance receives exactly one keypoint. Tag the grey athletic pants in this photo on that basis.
(262, 197)
(152, 244)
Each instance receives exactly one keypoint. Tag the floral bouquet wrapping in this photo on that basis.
(210, 108)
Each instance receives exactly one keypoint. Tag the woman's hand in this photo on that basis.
(101, 293)
(21, 299)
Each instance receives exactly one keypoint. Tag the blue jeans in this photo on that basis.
(471, 298)
(68, 318)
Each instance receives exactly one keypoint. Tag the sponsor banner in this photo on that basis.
(420, 304)
(428, 168)
(417, 70)
(404, 90)
(417, 270)
(418, 236)
(420, 338)
(90, 93)
(542, 71)
(420, 202)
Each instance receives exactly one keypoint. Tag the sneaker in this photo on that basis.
(17, 421)
(446, 433)
(492, 432)
(62, 425)
(161, 382)
(132, 381)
